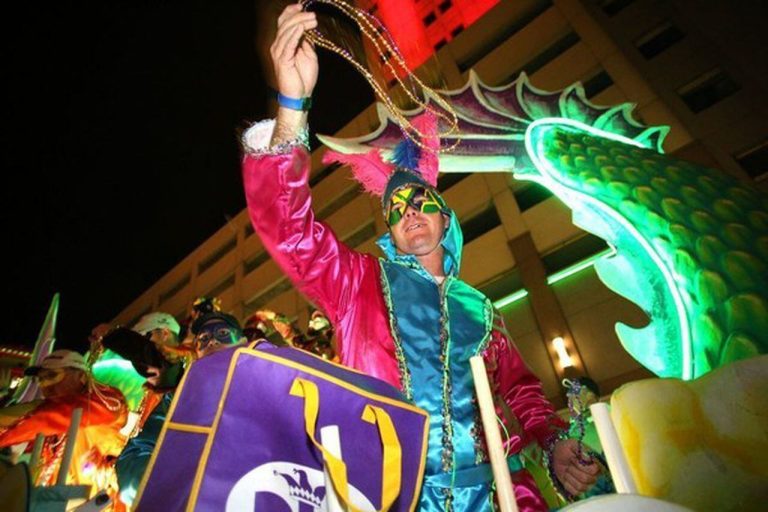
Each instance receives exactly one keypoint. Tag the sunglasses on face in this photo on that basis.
(421, 199)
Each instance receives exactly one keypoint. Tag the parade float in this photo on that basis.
(689, 246)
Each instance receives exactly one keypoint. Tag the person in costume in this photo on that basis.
(320, 336)
(406, 318)
(211, 331)
(317, 339)
(583, 392)
(66, 384)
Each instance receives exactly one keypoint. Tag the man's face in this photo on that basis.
(416, 221)
(163, 337)
(61, 382)
(213, 336)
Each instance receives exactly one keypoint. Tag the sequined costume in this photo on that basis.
(393, 321)
(98, 439)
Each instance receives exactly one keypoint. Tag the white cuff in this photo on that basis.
(256, 138)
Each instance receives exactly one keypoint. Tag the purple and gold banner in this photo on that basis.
(243, 434)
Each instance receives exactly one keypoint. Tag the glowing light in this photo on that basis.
(601, 218)
(562, 353)
(579, 266)
(509, 299)
(556, 277)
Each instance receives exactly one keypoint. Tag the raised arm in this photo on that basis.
(296, 70)
(276, 174)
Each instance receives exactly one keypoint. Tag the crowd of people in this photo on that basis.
(114, 444)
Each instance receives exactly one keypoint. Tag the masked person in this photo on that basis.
(210, 332)
(320, 336)
(66, 384)
(406, 318)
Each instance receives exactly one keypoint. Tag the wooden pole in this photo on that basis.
(614, 455)
(329, 437)
(69, 448)
(34, 459)
(504, 489)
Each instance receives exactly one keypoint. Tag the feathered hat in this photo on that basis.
(410, 163)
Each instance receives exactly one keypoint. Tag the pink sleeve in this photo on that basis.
(280, 206)
(520, 390)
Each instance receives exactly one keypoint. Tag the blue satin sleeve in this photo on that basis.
(134, 458)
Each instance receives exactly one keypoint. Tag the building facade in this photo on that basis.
(697, 69)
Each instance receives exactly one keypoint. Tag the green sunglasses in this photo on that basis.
(420, 199)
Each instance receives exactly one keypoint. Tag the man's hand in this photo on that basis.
(575, 476)
(98, 332)
(294, 59)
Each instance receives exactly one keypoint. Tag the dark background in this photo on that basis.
(120, 149)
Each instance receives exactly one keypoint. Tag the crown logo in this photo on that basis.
(301, 490)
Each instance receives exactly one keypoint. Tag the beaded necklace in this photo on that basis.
(373, 30)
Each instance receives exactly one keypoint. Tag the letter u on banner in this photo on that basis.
(392, 452)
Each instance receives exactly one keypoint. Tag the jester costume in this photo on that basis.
(395, 322)
(98, 440)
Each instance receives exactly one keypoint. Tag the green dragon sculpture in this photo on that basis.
(690, 243)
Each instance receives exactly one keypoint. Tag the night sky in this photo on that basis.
(120, 151)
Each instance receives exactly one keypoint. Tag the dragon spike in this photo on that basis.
(493, 121)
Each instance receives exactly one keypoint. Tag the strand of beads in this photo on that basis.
(373, 30)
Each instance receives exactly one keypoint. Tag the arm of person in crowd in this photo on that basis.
(50, 418)
(133, 461)
(521, 390)
(276, 174)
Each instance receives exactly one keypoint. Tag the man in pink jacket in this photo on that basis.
(407, 318)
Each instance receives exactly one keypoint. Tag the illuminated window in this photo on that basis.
(755, 161)
(658, 40)
(707, 90)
